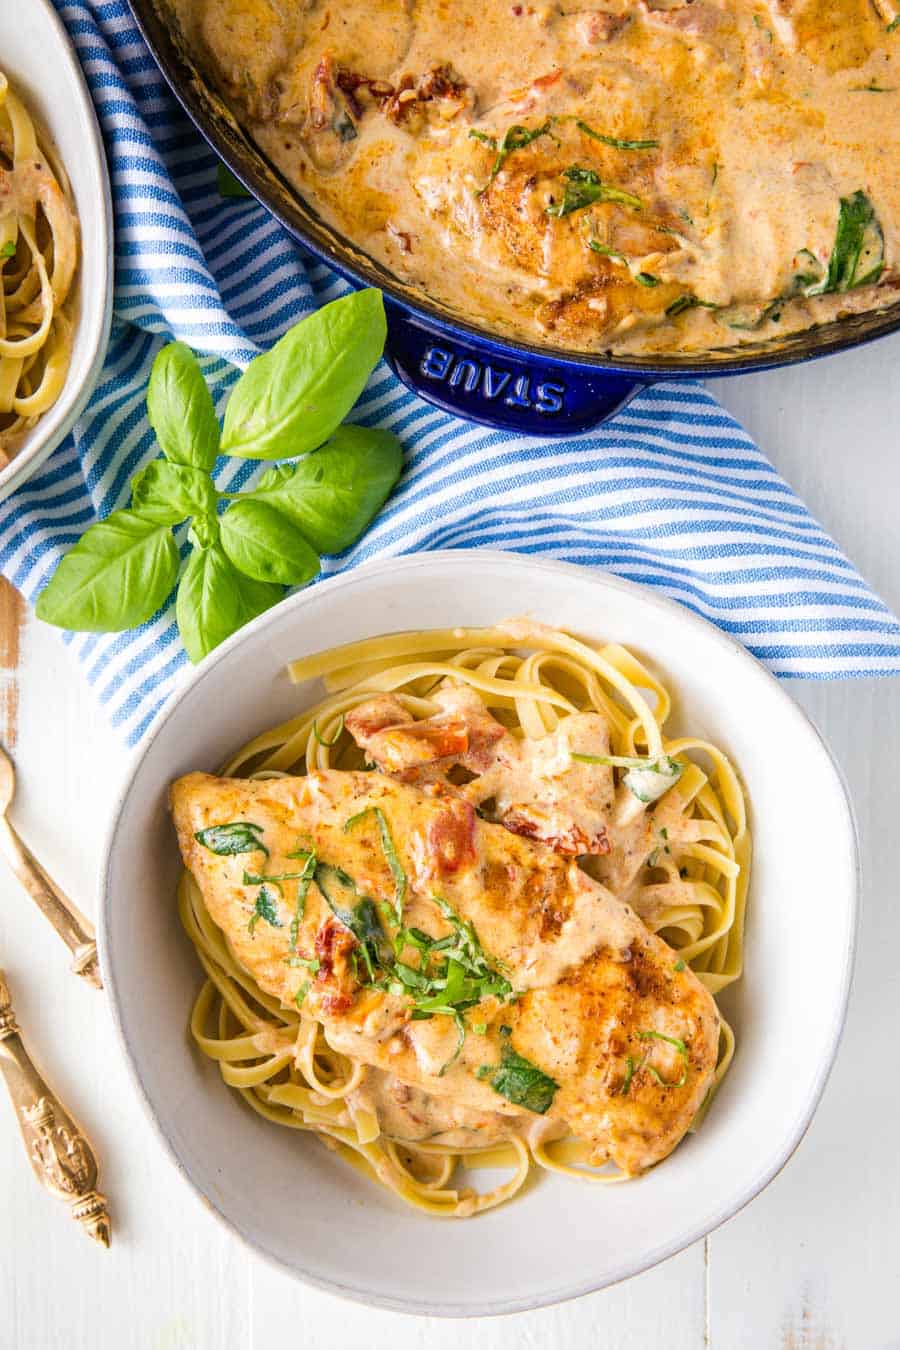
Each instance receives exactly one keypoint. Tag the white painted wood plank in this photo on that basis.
(813, 1263)
(663, 1307)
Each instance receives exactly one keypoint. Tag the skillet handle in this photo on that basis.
(476, 378)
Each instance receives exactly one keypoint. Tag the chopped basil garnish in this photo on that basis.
(265, 908)
(606, 252)
(8, 250)
(584, 187)
(633, 1066)
(356, 912)
(301, 993)
(335, 738)
(648, 779)
(614, 140)
(303, 882)
(239, 836)
(642, 278)
(516, 138)
(679, 966)
(893, 25)
(648, 784)
(688, 302)
(523, 1083)
(310, 962)
(679, 1046)
(390, 853)
(276, 878)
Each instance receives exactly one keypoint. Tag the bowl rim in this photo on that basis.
(464, 559)
(57, 422)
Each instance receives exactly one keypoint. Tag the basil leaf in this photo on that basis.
(264, 544)
(180, 408)
(118, 574)
(333, 494)
(215, 600)
(291, 399)
(238, 836)
(523, 1083)
(170, 493)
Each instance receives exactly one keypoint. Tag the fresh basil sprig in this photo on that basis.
(247, 546)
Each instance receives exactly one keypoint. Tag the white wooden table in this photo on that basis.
(813, 1264)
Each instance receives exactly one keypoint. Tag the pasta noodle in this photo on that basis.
(38, 258)
(692, 891)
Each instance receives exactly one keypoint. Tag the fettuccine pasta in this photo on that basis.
(690, 888)
(38, 259)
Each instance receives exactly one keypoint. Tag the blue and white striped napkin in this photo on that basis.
(672, 493)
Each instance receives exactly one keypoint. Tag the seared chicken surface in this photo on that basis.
(614, 1038)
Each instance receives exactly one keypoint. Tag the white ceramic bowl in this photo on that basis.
(304, 1209)
(37, 57)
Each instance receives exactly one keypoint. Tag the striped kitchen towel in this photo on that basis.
(671, 493)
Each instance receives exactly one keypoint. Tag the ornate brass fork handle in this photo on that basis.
(74, 929)
(60, 1155)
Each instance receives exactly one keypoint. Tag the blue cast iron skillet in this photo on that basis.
(500, 382)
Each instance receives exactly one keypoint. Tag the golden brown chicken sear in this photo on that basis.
(594, 1028)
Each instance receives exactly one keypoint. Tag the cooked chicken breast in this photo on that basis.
(594, 1026)
(535, 786)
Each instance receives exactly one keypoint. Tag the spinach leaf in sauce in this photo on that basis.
(584, 187)
(857, 258)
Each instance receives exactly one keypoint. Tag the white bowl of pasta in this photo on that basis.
(557, 1011)
(56, 235)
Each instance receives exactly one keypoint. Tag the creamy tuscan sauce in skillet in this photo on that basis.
(758, 194)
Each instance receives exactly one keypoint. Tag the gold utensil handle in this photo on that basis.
(75, 930)
(60, 1155)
